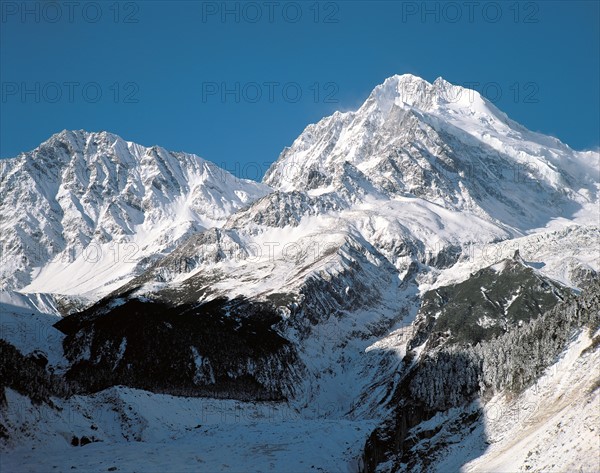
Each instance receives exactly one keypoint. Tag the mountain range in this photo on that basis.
(403, 271)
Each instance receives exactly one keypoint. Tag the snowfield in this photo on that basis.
(141, 431)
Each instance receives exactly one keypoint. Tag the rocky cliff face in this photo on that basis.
(220, 348)
(488, 304)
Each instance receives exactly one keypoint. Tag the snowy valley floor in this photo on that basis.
(554, 426)
(150, 432)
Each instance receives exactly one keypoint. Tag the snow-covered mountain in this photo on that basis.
(390, 182)
(84, 210)
(442, 143)
(371, 284)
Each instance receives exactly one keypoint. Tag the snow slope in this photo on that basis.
(556, 428)
(551, 427)
(27, 322)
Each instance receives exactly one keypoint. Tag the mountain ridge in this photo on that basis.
(87, 188)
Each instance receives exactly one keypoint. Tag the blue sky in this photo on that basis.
(235, 82)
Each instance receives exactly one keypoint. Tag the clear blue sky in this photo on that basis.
(161, 76)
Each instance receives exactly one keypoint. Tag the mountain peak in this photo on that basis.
(74, 141)
(408, 90)
(405, 78)
(78, 135)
